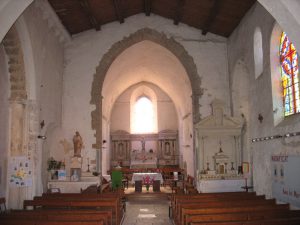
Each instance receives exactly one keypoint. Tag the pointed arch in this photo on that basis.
(141, 35)
(138, 93)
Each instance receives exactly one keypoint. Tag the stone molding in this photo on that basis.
(116, 49)
(16, 68)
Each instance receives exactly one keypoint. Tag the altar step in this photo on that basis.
(147, 197)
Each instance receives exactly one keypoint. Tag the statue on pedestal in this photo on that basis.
(78, 144)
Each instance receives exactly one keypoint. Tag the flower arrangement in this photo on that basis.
(54, 164)
(147, 181)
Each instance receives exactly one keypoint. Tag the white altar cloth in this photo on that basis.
(227, 185)
(153, 176)
(68, 186)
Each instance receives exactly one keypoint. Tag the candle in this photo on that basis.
(88, 159)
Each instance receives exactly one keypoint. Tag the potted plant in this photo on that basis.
(53, 167)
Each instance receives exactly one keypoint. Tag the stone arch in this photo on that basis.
(13, 49)
(116, 49)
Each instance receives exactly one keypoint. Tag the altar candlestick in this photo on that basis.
(88, 170)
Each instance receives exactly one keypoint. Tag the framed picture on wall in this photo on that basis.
(245, 168)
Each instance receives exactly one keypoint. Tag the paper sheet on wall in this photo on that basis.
(285, 178)
(20, 172)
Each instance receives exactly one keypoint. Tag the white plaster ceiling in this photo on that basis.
(150, 62)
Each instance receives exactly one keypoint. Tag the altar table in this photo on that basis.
(153, 176)
(227, 185)
(68, 186)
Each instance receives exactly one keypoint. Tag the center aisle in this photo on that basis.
(147, 209)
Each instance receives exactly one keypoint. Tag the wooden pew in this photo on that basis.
(42, 222)
(119, 194)
(244, 216)
(279, 221)
(218, 204)
(89, 196)
(78, 204)
(229, 195)
(60, 214)
(186, 213)
(224, 201)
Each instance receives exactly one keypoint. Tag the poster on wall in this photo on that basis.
(20, 172)
(285, 178)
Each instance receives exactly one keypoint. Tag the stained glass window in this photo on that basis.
(289, 75)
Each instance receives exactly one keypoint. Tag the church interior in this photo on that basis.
(189, 104)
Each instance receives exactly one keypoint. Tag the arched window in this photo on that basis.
(258, 53)
(289, 65)
(143, 116)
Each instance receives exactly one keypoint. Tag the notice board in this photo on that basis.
(286, 178)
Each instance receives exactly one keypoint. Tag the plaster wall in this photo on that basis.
(48, 55)
(4, 118)
(46, 81)
(86, 50)
(240, 49)
(166, 114)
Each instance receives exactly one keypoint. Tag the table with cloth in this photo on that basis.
(143, 176)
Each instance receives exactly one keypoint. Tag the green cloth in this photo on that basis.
(116, 179)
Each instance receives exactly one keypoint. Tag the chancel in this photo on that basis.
(115, 106)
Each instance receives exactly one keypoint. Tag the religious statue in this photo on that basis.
(78, 144)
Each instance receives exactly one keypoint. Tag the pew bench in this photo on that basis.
(79, 204)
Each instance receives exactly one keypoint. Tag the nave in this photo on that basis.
(147, 209)
(116, 208)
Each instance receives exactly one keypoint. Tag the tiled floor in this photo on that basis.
(146, 209)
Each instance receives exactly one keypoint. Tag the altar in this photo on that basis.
(144, 150)
(143, 160)
(68, 186)
(228, 185)
(142, 176)
(219, 152)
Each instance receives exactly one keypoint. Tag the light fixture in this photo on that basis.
(42, 137)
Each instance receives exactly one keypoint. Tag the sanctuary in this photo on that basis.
(145, 150)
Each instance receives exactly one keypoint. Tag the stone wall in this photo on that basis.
(4, 119)
(240, 49)
(86, 50)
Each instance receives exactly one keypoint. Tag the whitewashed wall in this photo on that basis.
(84, 53)
(44, 74)
(240, 49)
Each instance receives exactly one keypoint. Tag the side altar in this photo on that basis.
(69, 186)
(144, 150)
(219, 152)
(70, 177)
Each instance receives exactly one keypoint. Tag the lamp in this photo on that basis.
(42, 137)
